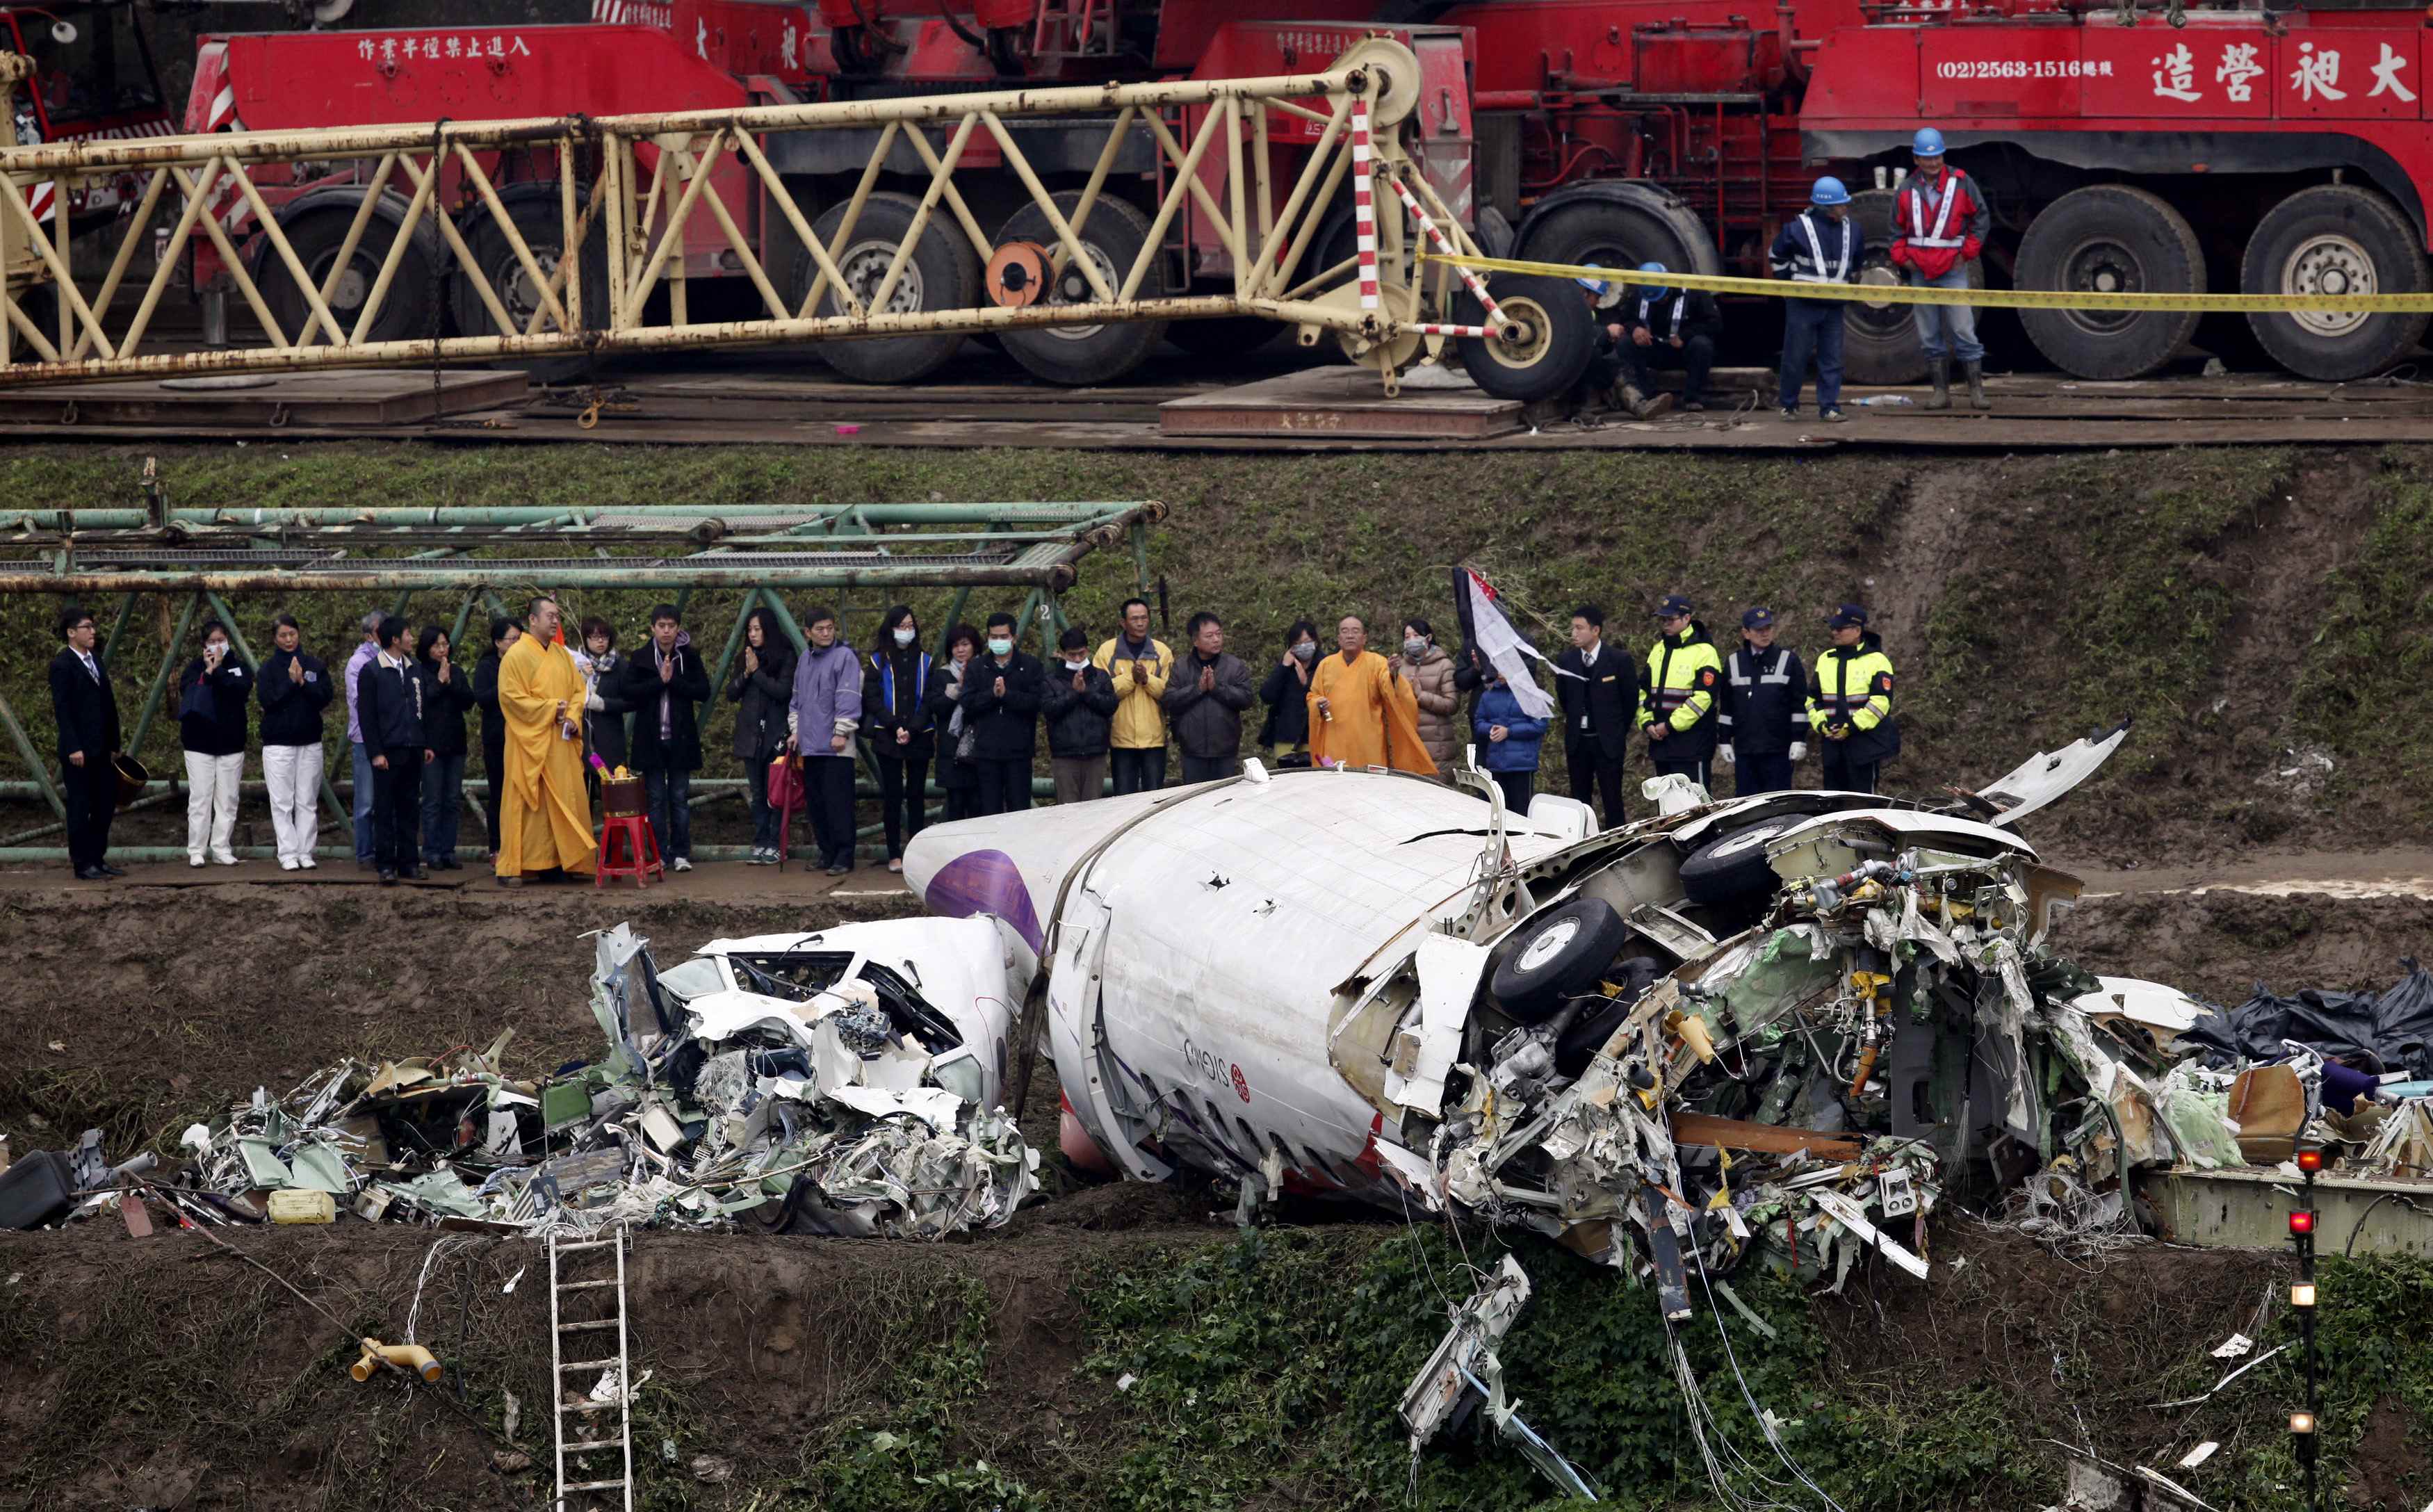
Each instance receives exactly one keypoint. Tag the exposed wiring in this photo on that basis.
(2402, 1199)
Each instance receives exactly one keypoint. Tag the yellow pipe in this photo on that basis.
(411, 1357)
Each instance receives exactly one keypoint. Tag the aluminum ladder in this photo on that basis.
(580, 1416)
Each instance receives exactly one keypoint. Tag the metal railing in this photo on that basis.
(650, 193)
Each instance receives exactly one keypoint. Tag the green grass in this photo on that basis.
(2026, 601)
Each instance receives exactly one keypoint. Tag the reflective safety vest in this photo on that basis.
(1679, 684)
(1854, 688)
(1932, 225)
(1809, 261)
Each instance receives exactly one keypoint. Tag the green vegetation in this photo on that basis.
(2238, 604)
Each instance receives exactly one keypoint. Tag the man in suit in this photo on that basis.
(86, 711)
(388, 706)
(1599, 688)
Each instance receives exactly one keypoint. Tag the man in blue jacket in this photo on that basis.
(826, 713)
(1764, 719)
(1820, 245)
(388, 707)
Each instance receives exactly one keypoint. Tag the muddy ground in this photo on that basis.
(163, 1372)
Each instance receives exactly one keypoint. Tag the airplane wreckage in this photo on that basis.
(1781, 1024)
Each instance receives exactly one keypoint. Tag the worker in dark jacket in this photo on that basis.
(1002, 690)
(1080, 700)
(665, 685)
(1666, 328)
(84, 708)
(505, 632)
(216, 696)
(446, 694)
(1204, 701)
(293, 690)
(1679, 693)
(1286, 734)
(1763, 724)
(388, 711)
(1820, 245)
(896, 719)
(605, 710)
(1598, 687)
(761, 690)
(1852, 710)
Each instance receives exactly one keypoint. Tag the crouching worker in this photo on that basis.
(1666, 328)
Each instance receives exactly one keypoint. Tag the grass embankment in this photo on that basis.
(1177, 1375)
(2240, 605)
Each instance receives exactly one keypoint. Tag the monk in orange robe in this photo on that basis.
(1361, 712)
(544, 812)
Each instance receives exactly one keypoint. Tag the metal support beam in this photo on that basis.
(33, 761)
(162, 675)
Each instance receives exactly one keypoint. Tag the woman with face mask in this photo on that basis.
(896, 712)
(958, 774)
(761, 690)
(1286, 694)
(1429, 669)
(210, 727)
(293, 689)
(1079, 700)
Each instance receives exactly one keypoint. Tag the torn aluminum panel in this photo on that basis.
(1463, 1374)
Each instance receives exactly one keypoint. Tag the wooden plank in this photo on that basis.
(333, 398)
(1342, 402)
(1707, 1130)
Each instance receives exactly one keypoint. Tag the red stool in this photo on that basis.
(622, 802)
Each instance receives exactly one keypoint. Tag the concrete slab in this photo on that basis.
(1343, 403)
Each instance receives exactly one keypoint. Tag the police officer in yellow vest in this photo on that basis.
(1677, 693)
(1852, 711)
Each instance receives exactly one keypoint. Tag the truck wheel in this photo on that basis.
(1882, 346)
(543, 229)
(1112, 238)
(39, 305)
(407, 310)
(2110, 239)
(1553, 354)
(941, 274)
(1617, 234)
(2334, 239)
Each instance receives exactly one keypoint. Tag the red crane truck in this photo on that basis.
(2141, 147)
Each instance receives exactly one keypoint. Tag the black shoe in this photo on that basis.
(411, 874)
(1791, 412)
(107, 870)
(92, 874)
(387, 878)
(839, 869)
(364, 863)
(1693, 406)
(448, 863)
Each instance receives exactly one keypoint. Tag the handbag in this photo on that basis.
(200, 699)
(786, 782)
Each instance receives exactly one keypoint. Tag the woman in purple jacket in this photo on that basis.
(826, 713)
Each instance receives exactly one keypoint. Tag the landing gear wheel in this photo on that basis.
(1113, 238)
(1546, 345)
(941, 274)
(2110, 239)
(1558, 956)
(2334, 238)
(543, 229)
(1882, 346)
(1577, 1046)
(405, 310)
(1732, 868)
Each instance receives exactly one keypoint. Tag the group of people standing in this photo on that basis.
(556, 717)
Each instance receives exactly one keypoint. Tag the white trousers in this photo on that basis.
(212, 785)
(294, 775)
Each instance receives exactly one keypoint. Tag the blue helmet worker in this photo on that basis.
(1821, 245)
(1669, 328)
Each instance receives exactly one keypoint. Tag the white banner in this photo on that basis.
(1503, 646)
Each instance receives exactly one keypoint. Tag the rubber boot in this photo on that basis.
(1652, 406)
(1938, 372)
(1976, 399)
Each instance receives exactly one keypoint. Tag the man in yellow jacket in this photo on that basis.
(1363, 712)
(1852, 708)
(1139, 666)
(1677, 691)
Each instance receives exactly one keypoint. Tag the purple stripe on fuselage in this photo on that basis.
(986, 882)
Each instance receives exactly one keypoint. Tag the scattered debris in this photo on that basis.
(777, 1089)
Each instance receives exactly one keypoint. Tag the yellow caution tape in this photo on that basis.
(1877, 295)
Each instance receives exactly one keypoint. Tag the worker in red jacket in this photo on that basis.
(1939, 224)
